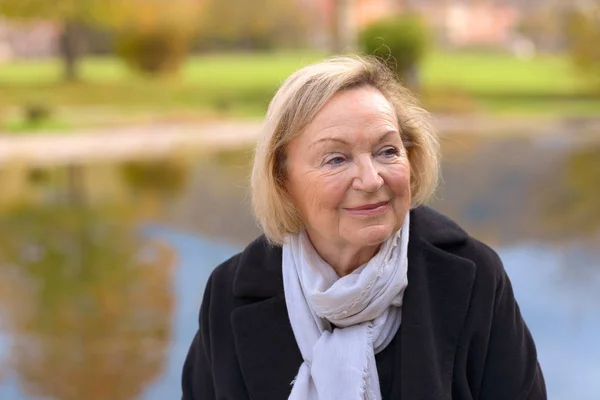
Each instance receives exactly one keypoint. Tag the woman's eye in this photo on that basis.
(335, 160)
(390, 152)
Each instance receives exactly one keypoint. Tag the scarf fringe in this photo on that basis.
(364, 391)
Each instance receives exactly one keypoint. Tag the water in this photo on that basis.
(102, 267)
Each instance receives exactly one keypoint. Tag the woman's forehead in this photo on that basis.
(365, 101)
(364, 111)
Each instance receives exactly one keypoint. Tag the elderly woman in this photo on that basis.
(356, 290)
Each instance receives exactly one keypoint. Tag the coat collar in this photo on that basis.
(435, 306)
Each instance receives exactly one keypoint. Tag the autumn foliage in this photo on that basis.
(154, 36)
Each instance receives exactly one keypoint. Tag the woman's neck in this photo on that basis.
(344, 258)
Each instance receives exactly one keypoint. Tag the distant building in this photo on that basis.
(467, 23)
(455, 22)
(481, 24)
(37, 39)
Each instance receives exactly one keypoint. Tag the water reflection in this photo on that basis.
(507, 191)
(216, 203)
(164, 177)
(86, 302)
(574, 211)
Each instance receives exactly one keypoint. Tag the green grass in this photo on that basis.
(495, 73)
(242, 85)
(501, 84)
(238, 85)
(22, 126)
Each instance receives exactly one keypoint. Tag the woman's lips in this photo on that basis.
(369, 209)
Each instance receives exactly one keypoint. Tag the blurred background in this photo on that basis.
(126, 131)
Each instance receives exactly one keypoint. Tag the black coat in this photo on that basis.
(462, 335)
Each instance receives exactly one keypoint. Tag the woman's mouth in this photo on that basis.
(369, 209)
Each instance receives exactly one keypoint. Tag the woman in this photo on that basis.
(356, 290)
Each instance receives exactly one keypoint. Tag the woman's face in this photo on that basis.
(348, 172)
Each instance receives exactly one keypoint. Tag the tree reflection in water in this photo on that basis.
(573, 212)
(86, 301)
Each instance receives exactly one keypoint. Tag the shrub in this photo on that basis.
(154, 52)
(153, 36)
(35, 113)
(401, 40)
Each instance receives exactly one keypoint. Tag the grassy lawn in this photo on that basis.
(501, 74)
(242, 84)
(500, 84)
(106, 81)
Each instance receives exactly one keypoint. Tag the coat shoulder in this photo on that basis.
(253, 272)
(446, 234)
(484, 256)
(223, 275)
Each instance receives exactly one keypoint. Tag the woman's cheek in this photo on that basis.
(398, 172)
(319, 192)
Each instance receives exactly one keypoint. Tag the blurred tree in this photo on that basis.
(154, 36)
(70, 14)
(583, 28)
(401, 41)
(88, 303)
(343, 30)
(252, 25)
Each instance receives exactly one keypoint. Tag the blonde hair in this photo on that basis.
(295, 105)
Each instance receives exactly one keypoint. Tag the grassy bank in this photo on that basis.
(502, 84)
(242, 84)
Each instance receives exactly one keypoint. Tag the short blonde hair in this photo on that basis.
(295, 105)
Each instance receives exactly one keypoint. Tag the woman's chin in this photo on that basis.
(373, 235)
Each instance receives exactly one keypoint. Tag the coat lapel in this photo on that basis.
(267, 351)
(435, 306)
(268, 355)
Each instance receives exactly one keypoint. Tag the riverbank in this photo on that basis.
(155, 140)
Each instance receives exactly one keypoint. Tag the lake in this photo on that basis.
(102, 266)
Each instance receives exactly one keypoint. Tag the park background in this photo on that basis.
(126, 131)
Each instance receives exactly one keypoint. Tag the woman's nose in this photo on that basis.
(367, 177)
